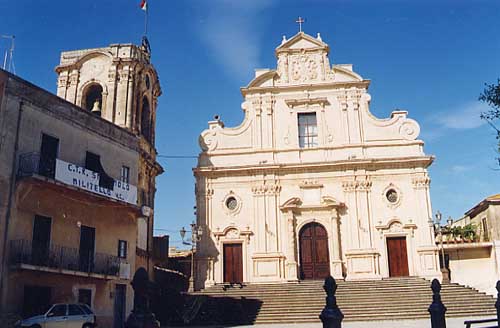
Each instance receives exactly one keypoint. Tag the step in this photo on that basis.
(386, 299)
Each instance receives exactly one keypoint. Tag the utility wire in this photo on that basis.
(176, 156)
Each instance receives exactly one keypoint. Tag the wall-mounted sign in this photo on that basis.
(88, 180)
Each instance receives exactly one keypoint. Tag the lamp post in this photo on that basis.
(439, 230)
(196, 233)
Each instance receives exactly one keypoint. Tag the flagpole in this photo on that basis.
(146, 20)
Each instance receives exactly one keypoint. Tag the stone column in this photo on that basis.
(121, 98)
(130, 101)
(291, 265)
(110, 101)
(62, 84)
(336, 269)
(71, 92)
(257, 106)
(260, 219)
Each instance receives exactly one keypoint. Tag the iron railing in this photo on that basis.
(33, 163)
(63, 258)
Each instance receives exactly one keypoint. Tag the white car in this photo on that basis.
(62, 316)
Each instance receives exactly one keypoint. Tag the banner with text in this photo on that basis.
(88, 180)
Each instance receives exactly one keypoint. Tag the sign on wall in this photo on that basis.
(88, 180)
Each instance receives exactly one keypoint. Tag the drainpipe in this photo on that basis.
(9, 206)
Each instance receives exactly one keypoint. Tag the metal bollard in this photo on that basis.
(437, 308)
(331, 316)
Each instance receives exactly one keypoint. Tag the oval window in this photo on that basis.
(231, 203)
(392, 196)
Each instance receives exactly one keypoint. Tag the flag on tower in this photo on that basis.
(144, 5)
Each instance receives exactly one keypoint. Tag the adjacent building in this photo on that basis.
(311, 184)
(78, 174)
(120, 84)
(475, 247)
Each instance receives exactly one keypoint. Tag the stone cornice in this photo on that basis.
(292, 103)
(365, 145)
(397, 163)
(316, 86)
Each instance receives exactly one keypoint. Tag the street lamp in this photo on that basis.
(196, 233)
(439, 230)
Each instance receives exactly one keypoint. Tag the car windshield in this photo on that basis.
(57, 310)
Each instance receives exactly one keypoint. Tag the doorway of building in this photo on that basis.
(40, 244)
(119, 306)
(397, 257)
(36, 300)
(314, 258)
(48, 156)
(87, 248)
(233, 263)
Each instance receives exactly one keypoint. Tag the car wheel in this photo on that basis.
(87, 325)
(35, 326)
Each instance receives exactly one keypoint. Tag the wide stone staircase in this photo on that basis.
(387, 299)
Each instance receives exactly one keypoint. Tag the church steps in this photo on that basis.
(364, 302)
(378, 292)
(387, 299)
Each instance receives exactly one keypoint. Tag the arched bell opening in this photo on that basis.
(92, 98)
(146, 119)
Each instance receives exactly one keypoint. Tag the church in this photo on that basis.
(311, 184)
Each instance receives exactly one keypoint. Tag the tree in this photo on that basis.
(491, 96)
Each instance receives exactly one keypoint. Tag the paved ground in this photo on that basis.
(425, 323)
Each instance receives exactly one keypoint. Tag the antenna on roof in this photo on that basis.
(8, 59)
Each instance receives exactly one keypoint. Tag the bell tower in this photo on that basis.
(119, 84)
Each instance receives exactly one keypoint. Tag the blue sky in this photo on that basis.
(431, 58)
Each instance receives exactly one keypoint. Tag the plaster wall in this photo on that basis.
(474, 267)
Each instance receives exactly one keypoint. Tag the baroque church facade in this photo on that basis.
(311, 184)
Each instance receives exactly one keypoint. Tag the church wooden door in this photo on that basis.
(233, 263)
(314, 259)
(397, 256)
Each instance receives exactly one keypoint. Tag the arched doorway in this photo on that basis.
(314, 258)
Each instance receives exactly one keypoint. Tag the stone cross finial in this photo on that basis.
(300, 20)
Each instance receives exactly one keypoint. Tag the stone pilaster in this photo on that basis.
(336, 269)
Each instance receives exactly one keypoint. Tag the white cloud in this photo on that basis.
(463, 117)
(459, 168)
(230, 29)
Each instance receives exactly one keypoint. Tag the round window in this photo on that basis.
(231, 203)
(392, 196)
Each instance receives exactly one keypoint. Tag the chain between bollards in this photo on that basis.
(331, 316)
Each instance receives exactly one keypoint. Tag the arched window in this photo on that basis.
(146, 119)
(92, 98)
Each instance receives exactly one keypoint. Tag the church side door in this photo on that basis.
(233, 263)
(314, 259)
(397, 256)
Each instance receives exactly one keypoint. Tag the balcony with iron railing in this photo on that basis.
(25, 254)
(33, 164)
(77, 178)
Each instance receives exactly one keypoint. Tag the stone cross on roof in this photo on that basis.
(300, 20)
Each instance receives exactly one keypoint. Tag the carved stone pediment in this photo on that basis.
(233, 233)
(303, 59)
